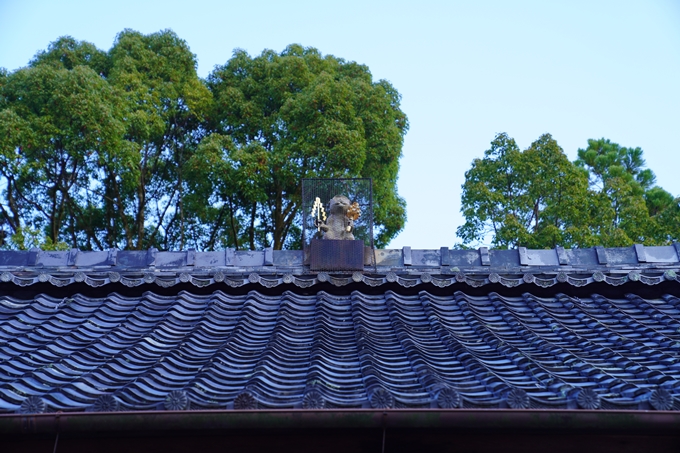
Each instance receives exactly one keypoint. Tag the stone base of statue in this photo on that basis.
(336, 255)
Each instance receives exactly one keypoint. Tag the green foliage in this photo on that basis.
(27, 238)
(537, 198)
(165, 104)
(130, 148)
(67, 53)
(60, 123)
(630, 208)
(529, 198)
(298, 115)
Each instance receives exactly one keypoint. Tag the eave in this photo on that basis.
(345, 430)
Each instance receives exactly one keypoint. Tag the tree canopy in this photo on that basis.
(279, 118)
(537, 198)
(131, 149)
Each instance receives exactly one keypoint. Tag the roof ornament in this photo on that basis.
(517, 398)
(448, 398)
(106, 403)
(588, 399)
(32, 405)
(340, 223)
(337, 227)
(176, 400)
(319, 212)
(313, 400)
(381, 399)
(245, 401)
(661, 399)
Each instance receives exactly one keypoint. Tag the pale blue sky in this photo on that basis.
(466, 70)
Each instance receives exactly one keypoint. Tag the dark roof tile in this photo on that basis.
(388, 349)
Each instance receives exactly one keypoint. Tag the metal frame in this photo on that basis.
(336, 186)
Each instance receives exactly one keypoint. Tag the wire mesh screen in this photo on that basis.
(357, 190)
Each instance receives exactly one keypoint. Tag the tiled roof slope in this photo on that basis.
(227, 351)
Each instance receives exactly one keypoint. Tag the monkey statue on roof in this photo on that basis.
(340, 222)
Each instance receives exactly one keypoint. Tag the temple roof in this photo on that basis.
(405, 267)
(417, 329)
(223, 351)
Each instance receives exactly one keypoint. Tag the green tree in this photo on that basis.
(533, 198)
(537, 198)
(165, 106)
(294, 115)
(60, 122)
(97, 142)
(631, 208)
(130, 148)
